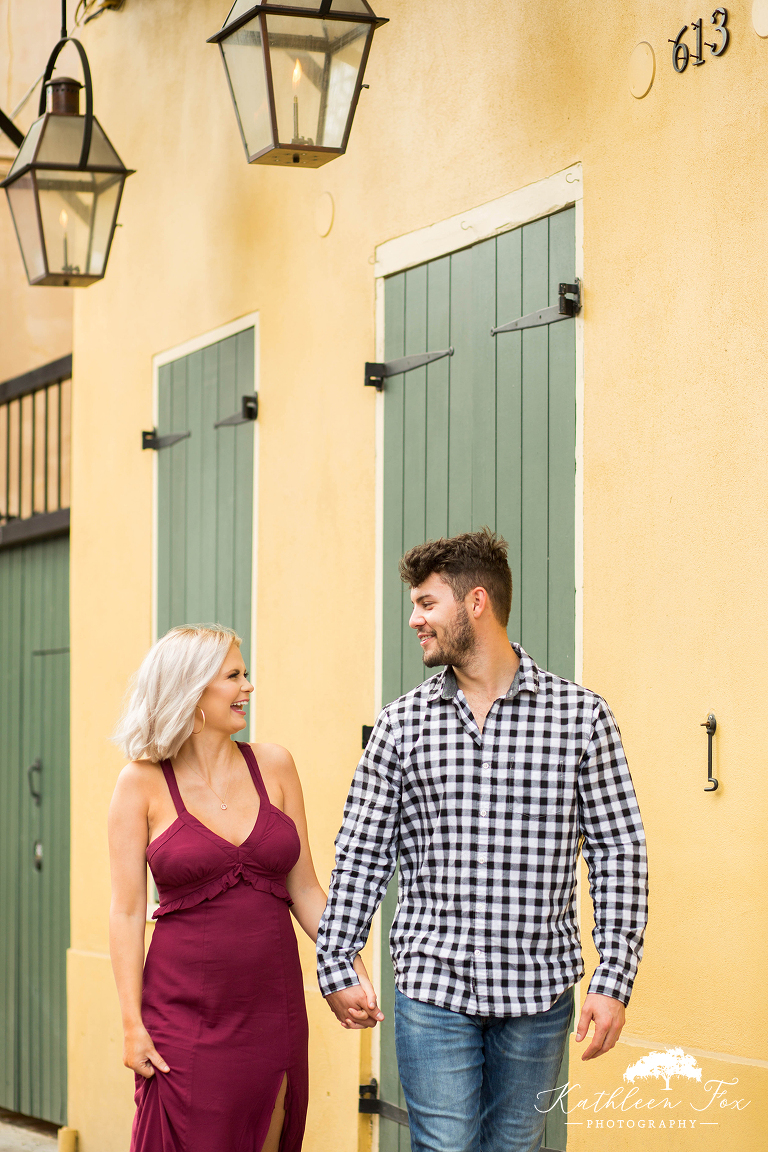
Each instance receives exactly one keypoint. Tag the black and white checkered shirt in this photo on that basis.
(487, 827)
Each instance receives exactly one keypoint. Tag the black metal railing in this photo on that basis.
(35, 449)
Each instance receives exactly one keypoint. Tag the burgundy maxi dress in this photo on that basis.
(223, 995)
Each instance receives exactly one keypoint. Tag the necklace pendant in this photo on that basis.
(223, 807)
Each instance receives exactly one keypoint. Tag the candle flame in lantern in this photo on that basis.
(63, 219)
(296, 75)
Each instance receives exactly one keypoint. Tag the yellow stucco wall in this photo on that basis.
(467, 103)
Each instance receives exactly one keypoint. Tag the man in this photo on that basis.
(486, 781)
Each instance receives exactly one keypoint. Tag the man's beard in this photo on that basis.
(457, 643)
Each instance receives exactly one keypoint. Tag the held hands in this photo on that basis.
(356, 1007)
(608, 1015)
(140, 1054)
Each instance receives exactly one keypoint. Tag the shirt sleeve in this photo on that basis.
(614, 849)
(366, 855)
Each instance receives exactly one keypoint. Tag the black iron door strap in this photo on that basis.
(563, 310)
(152, 440)
(249, 410)
(372, 1106)
(375, 374)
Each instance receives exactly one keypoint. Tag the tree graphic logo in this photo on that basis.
(664, 1065)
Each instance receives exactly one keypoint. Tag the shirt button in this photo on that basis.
(482, 860)
(484, 812)
(478, 952)
(486, 767)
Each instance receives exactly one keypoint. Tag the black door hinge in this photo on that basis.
(155, 442)
(249, 410)
(372, 1106)
(376, 374)
(568, 304)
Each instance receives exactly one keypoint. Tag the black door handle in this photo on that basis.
(711, 726)
(35, 767)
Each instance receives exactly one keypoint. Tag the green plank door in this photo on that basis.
(205, 490)
(34, 729)
(485, 437)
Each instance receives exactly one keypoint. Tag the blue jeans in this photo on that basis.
(472, 1083)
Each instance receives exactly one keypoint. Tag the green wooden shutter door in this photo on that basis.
(205, 490)
(485, 437)
(34, 725)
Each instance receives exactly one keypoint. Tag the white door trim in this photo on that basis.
(535, 200)
(196, 344)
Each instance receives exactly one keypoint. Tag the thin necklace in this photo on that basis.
(219, 798)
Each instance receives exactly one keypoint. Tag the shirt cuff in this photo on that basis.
(336, 975)
(617, 985)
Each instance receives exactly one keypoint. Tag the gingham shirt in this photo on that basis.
(487, 827)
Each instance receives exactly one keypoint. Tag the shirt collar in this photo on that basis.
(526, 679)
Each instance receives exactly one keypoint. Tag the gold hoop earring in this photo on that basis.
(203, 716)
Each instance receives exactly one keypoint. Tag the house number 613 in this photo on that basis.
(681, 53)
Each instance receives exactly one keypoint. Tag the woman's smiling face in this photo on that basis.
(225, 698)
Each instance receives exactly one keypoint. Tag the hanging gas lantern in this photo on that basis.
(65, 185)
(295, 74)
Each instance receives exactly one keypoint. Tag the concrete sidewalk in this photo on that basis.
(18, 1139)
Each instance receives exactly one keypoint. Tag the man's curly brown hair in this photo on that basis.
(471, 560)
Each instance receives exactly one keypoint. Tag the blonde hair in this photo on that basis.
(160, 713)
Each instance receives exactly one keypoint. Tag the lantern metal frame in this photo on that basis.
(303, 155)
(64, 279)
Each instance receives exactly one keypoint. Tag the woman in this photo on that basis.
(217, 1035)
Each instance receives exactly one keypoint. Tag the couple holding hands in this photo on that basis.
(484, 783)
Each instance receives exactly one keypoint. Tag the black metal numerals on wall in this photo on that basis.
(681, 53)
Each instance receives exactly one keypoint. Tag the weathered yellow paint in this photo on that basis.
(467, 103)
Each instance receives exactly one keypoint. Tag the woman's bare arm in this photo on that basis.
(308, 897)
(128, 838)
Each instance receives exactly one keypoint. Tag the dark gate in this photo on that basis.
(34, 741)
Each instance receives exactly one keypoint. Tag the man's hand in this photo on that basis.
(356, 1007)
(608, 1015)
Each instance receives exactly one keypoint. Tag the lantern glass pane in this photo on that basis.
(26, 153)
(78, 210)
(341, 7)
(239, 8)
(23, 204)
(63, 139)
(244, 62)
(315, 66)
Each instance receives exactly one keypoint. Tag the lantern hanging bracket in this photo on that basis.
(375, 374)
(88, 126)
(563, 310)
(249, 410)
(11, 131)
(155, 442)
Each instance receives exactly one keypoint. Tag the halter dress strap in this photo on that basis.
(173, 788)
(253, 767)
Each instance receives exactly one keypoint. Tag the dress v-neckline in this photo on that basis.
(218, 836)
(183, 813)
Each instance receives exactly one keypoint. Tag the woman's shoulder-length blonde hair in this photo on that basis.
(160, 713)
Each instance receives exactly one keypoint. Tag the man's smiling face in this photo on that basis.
(441, 623)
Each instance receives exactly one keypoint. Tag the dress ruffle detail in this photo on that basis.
(208, 891)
